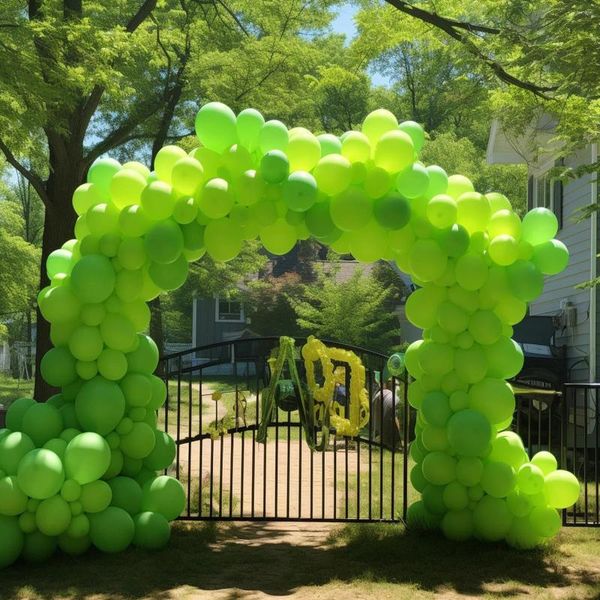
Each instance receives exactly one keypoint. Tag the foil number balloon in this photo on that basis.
(82, 468)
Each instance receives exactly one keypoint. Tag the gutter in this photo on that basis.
(593, 271)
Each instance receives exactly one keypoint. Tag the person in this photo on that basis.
(385, 426)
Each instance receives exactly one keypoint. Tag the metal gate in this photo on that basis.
(213, 412)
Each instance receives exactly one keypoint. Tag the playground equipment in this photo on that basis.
(81, 468)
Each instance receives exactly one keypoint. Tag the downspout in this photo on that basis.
(593, 270)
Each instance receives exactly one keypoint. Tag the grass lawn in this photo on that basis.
(256, 560)
(12, 389)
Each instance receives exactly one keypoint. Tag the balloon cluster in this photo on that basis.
(81, 468)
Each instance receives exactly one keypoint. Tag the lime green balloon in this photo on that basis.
(273, 136)
(505, 358)
(144, 359)
(469, 433)
(16, 412)
(561, 489)
(187, 175)
(435, 438)
(100, 175)
(452, 318)
(438, 181)
(455, 496)
(356, 147)
(40, 474)
(159, 392)
(12, 540)
(413, 181)
(163, 453)
(471, 271)
(164, 495)
(427, 260)
(435, 408)
(459, 399)
(74, 546)
(169, 276)
(137, 389)
(38, 548)
(129, 284)
(13, 447)
(539, 225)
(416, 133)
(303, 151)
(79, 527)
(417, 479)
(439, 468)
(436, 359)
(351, 209)
(433, 498)
(41, 423)
(508, 447)
(423, 304)
(392, 211)
(457, 525)
(300, 191)
(394, 151)
(158, 200)
(492, 519)
(58, 367)
(278, 238)
(469, 470)
(551, 257)
(111, 530)
(223, 239)
(498, 479)
(53, 516)
(333, 174)
(152, 531)
(87, 458)
(164, 242)
(442, 211)
(186, 210)
(454, 240)
(93, 278)
(165, 160)
(504, 250)
(530, 479)
(59, 261)
(216, 126)
(85, 196)
(330, 144)
(499, 202)
(545, 521)
(377, 123)
(525, 280)
(274, 166)
(545, 461)
(126, 187)
(118, 332)
(369, 243)
(95, 496)
(102, 218)
(248, 127)
(86, 343)
(216, 199)
(71, 490)
(134, 221)
(457, 185)
(100, 405)
(503, 222)
(473, 211)
(485, 327)
(13, 501)
(139, 442)
(126, 494)
(494, 398)
(411, 359)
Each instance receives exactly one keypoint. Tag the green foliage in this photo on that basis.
(355, 311)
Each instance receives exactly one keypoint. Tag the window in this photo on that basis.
(229, 311)
(547, 192)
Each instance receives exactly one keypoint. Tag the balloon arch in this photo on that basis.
(81, 468)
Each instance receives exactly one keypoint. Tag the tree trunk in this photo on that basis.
(59, 222)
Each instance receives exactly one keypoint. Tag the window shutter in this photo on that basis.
(530, 193)
(557, 195)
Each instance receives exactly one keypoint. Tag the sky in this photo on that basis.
(344, 23)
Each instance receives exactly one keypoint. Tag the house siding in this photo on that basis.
(576, 236)
(209, 331)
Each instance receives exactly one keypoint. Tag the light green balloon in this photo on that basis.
(498, 479)
(546, 461)
(111, 530)
(126, 187)
(164, 242)
(16, 412)
(551, 257)
(216, 199)
(561, 488)
(40, 474)
(95, 496)
(87, 458)
(93, 278)
(100, 175)
(333, 174)
(249, 123)
(100, 405)
(492, 519)
(216, 126)
(169, 276)
(13, 501)
(53, 516)
(41, 423)
(126, 494)
(223, 240)
(273, 136)
(439, 468)
(12, 540)
(469, 433)
(539, 225)
(394, 151)
(152, 531)
(164, 495)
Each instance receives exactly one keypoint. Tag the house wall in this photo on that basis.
(208, 331)
(577, 237)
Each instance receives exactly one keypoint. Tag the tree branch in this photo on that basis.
(453, 28)
(33, 178)
(140, 16)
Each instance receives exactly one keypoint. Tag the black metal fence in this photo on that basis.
(213, 412)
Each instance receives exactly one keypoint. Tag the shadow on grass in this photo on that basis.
(253, 557)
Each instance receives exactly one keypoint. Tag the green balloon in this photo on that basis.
(330, 144)
(100, 405)
(545, 521)
(53, 516)
(134, 221)
(471, 271)
(87, 458)
(530, 479)
(333, 174)
(377, 123)
(418, 517)
(84, 197)
(159, 393)
(413, 181)
(505, 358)
(216, 199)
(469, 433)
(417, 479)
(163, 453)
(546, 461)
(427, 260)
(493, 398)
(539, 225)
(139, 442)
(74, 546)
(223, 239)
(278, 238)
(394, 151)
(436, 359)
(86, 343)
(157, 201)
(126, 187)
(126, 494)
(38, 548)
(164, 242)
(41, 423)
(561, 488)
(300, 191)
(40, 474)
(16, 412)
(248, 125)
(416, 133)
(435, 408)
(439, 468)
(525, 280)
(118, 332)
(144, 359)
(434, 438)
(469, 470)
(457, 525)
(59, 304)
(59, 261)
(12, 540)
(273, 136)
(100, 175)
(216, 126)
(164, 495)
(152, 531)
(392, 211)
(111, 530)
(551, 257)
(58, 367)
(93, 278)
(137, 389)
(274, 166)
(508, 448)
(455, 496)
(492, 519)
(433, 498)
(498, 479)
(112, 364)
(95, 496)
(12, 499)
